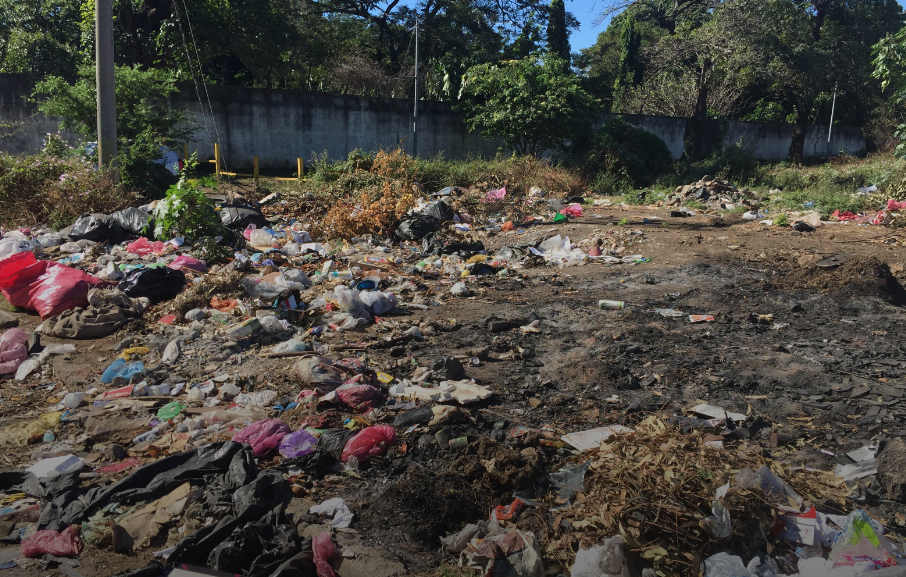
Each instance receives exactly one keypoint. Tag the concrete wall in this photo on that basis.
(279, 126)
(768, 141)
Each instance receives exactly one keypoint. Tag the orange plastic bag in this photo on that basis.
(225, 305)
(508, 225)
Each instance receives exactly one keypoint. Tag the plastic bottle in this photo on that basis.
(72, 400)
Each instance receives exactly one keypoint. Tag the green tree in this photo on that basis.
(631, 66)
(40, 36)
(144, 120)
(557, 34)
(529, 104)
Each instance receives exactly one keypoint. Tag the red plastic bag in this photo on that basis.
(324, 551)
(12, 350)
(264, 435)
(362, 398)
(44, 286)
(573, 210)
(143, 247)
(369, 442)
(63, 544)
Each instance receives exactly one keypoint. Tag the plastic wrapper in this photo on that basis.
(725, 565)
(369, 442)
(361, 398)
(183, 261)
(378, 303)
(574, 210)
(261, 239)
(156, 284)
(298, 444)
(861, 541)
(257, 399)
(120, 368)
(325, 553)
(170, 410)
(263, 436)
(605, 560)
(20, 433)
(13, 350)
(11, 246)
(65, 543)
(290, 346)
(144, 247)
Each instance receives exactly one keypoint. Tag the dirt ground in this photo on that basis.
(831, 358)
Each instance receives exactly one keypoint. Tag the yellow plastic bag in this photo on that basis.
(21, 433)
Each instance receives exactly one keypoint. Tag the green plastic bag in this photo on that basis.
(560, 218)
(170, 410)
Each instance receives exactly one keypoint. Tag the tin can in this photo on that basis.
(611, 305)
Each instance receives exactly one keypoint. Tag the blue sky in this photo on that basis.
(585, 11)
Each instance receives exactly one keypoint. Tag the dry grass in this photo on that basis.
(47, 190)
(656, 487)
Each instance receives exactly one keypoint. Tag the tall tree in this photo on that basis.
(557, 34)
(631, 67)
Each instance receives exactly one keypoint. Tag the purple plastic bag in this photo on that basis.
(298, 444)
(264, 435)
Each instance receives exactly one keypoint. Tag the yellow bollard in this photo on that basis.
(217, 159)
(299, 167)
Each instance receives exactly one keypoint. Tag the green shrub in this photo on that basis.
(624, 153)
(186, 210)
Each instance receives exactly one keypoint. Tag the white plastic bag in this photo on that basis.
(261, 239)
(605, 560)
(725, 565)
(378, 302)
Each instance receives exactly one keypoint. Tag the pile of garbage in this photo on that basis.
(267, 366)
(715, 193)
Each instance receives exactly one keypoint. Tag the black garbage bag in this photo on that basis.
(261, 501)
(417, 227)
(333, 441)
(264, 547)
(432, 246)
(239, 217)
(162, 476)
(132, 220)
(98, 228)
(158, 284)
(439, 210)
(318, 463)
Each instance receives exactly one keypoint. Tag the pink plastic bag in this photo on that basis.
(369, 442)
(894, 205)
(12, 350)
(264, 435)
(44, 286)
(362, 398)
(495, 195)
(144, 247)
(324, 551)
(183, 261)
(63, 544)
(573, 210)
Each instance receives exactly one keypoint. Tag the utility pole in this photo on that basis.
(103, 28)
(415, 106)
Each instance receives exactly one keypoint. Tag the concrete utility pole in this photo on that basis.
(415, 106)
(103, 44)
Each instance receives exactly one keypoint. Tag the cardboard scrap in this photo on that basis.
(592, 438)
(464, 391)
(717, 412)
